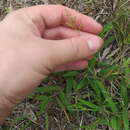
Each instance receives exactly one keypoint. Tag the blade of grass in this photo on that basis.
(44, 102)
(125, 118)
(89, 104)
(107, 97)
(71, 74)
(114, 123)
(48, 89)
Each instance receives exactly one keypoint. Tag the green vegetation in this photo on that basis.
(101, 93)
(103, 88)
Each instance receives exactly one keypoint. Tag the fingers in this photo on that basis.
(77, 65)
(62, 33)
(55, 15)
(74, 49)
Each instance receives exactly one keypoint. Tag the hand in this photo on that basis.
(36, 41)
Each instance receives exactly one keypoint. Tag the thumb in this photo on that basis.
(75, 49)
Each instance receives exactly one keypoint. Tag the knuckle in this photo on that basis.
(75, 47)
(79, 47)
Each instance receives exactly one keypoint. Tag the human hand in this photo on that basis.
(36, 41)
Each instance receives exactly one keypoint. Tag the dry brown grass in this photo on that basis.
(102, 11)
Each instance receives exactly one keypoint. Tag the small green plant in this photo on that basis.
(102, 90)
(100, 93)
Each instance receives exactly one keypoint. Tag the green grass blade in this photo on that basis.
(44, 102)
(124, 92)
(109, 71)
(89, 104)
(93, 85)
(81, 84)
(71, 74)
(107, 97)
(64, 100)
(125, 118)
(69, 88)
(107, 28)
(48, 89)
(114, 123)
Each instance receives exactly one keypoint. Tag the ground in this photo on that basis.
(94, 99)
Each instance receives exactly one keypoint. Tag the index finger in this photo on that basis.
(55, 15)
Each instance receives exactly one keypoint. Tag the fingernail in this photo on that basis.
(94, 44)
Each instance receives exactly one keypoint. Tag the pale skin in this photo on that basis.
(35, 42)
